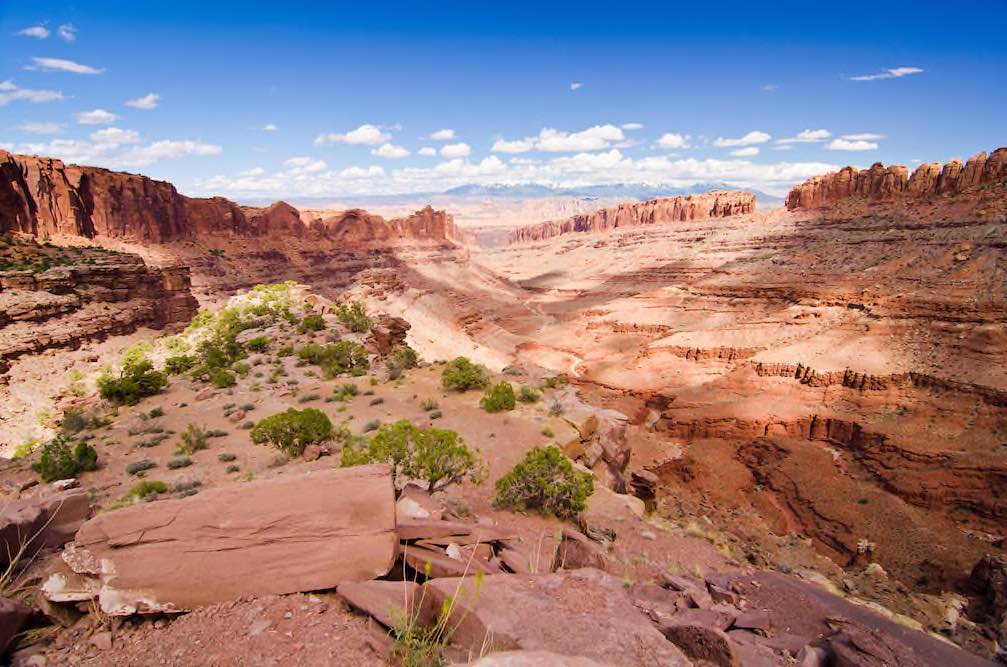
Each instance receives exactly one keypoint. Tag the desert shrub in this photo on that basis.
(436, 414)
(137, 378)
(428, 404)
(226, 457)
(57, 461)
(376, 401)
(216, 433)
(557, 381)
(247, 407)
(222, 379)
(193, 439)
(73, 422)
(402, 359)
(156, 412)
(307, 398)
(241, 368)
(179, 462)
(258, 344)
(437, 456)
(548, 432)
(285, 351)
(353, 316)
(178, 364)
(460, 374)
(555, 408)
(336, 358)
(313, 322)
(232, 468)
(293, 430)
(137, 467)
(372, 425)
(528, 394)
(545, 481)
(498, 398)
(147, 488)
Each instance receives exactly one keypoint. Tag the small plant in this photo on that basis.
(336, 358)
(557, 381)
(193, 439)
(372, 425)
(555, 408)
(285, 351)
(137, 467)
(307, 398)
(353, 316)
(226, 457)
(548, 432)
(498, 398)
(435, 414)
(216, 433)
(179, 462)
(461, 374)
(545, 481)
(428, 404)
(147, 489)
(232, 468)
(136, 380)
(59, 462)
(401, 360)
(312, 322)
(247, 407)
(155, 413)
(528, 394)
(241, 368)
(376, 401)
(178, 364)
(293, 430)
(247, 425)
(222, 379)
(258, 344)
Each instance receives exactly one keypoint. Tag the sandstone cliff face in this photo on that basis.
(715, 204)
(42, 196)
(883, 183)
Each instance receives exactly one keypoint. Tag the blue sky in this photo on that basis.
(297, 99)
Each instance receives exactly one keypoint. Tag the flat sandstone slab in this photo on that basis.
(281, 535)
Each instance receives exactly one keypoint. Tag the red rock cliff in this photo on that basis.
(881, 183)
(42, 196)
(715, 204)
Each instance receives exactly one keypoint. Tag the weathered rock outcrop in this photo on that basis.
(43, 196)
(280, 535)
(714, 204)
(881, 183)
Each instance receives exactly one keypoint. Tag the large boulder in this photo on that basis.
(35, 523)
(274, 536)
(575, 613)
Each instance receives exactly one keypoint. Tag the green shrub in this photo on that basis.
(437, 456)
(178, 364)
(222, 379)
(545, 481)
(241, 368)
(293, 430)
(528, 394)
(59, 462)
(285, 351)
(136, 380)
(179, 462)
(548, 432)
(336, 358)
(148, 488)
(258, 344)
(353, 315)
(140, 466)
(498, 398)
(73, 422)
(226, 457)
(557, 381)
(193, 440)
(461, 374)
(232, 468)
(313, 322)
(307, 398)
(401, 360)
(156, 412)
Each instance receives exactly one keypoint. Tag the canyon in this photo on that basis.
(817, 389)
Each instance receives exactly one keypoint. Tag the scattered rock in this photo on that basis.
(416, 503)
(702, 642)
(390, 603)
(49, 521)
(13, 615)
(576, 551)
(102, 640)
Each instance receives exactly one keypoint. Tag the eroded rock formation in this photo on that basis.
(880, 182)
(715, 204)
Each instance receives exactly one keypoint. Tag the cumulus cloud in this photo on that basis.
(390, 152)
(576, 85)
(806, 137)
(67, 32)
(783, 147)
(116, 156)
(894, 73)
(753, 137)
(456, 150)
(355, 173)
(557, 141)
(40, 128)
(427, 151)
(10, 92)
(143, 156)
(848, 145)
(443, 135)
(147, 102)
(254, 171)
(36, 31)
(270, 127)
(673, 140)
(96, 117)
(864, 136)
(305, 165)
(115, 136)
(62, 65)
(632, 126)
(747, 151)
(365, 135)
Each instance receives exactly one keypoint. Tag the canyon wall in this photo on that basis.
(880, 182)
(715, 204)
(43, 196)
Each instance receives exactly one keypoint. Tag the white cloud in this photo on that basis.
(40, 128)
(9, 92)
(806, 137)
(115, 136)
(893, 73)
(61, 65)
(115, 156)
(557, 141)
(390, 151)
(254, 171)
(354, 173)
(147, 102)
(456, 150)
(632, 126)
(576, 85)
(270, 127)
(165, 150)
(770, 87)
(365, 135)
(67, 32)
(673, 140)
(443, 135)
(847, 145)
(96, 117)
(427, 151)
(304, 165)
(748, 151)
(36, 31)
(783, 147)
(864, 136)
(753, 137)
